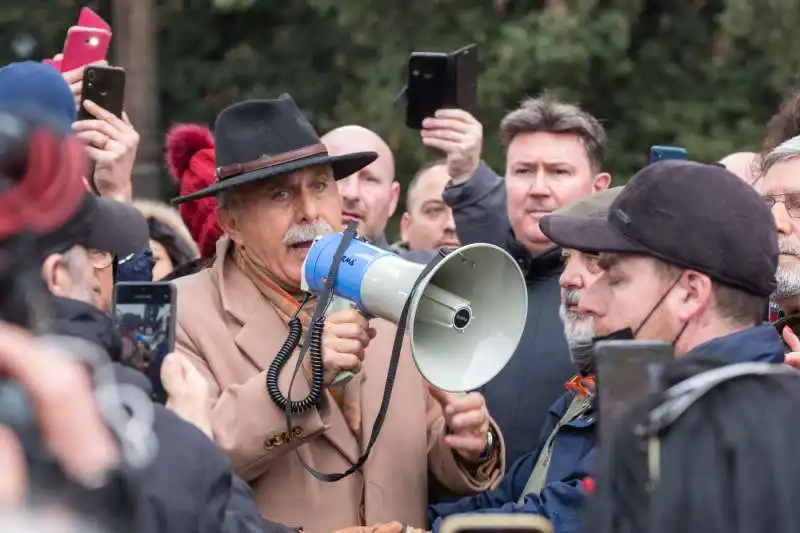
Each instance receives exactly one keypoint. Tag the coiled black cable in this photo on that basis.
(283, 356)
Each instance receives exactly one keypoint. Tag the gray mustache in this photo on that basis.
(788, 246)
(572, 297)
(306, 233)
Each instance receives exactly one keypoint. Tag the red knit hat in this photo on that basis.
(190, 157)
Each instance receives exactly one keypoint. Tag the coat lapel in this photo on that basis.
(261, 334)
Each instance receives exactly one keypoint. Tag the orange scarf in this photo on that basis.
(581, 385)
(285, 299)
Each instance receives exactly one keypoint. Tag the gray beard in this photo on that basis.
(579, 332)
(788, 278)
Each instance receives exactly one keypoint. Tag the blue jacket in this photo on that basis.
(562, 499)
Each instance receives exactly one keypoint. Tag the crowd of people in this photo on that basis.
(690, 253)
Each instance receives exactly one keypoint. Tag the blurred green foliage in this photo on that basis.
(704, 74)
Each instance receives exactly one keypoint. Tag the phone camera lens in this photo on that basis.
(91, 76)
(415, 72)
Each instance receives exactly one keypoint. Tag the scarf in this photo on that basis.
(286, 300)
(580, 385)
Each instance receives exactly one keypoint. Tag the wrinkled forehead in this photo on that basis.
(782, 178)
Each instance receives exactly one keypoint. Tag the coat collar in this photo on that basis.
(244, 304)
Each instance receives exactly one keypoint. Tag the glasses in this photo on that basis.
(100, 260)
(791, 201)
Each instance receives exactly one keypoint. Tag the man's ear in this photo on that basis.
(54, 276)
(395, 198)
(601, 182)
(405, 223)
(696, 296)
(229, 224)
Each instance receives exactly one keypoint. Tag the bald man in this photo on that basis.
(743, 164)
(369, 196)
(428, 222)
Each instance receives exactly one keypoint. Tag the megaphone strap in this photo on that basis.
(393, 361)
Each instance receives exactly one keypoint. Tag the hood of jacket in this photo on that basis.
(170, 218)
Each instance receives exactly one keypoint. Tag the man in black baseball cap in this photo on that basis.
(689, 253)
(48, 216)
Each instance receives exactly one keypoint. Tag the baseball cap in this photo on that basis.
(43, 194)
(37, 85)
(594, 206)
(691, 215)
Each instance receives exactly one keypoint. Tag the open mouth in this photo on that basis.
(305, 245)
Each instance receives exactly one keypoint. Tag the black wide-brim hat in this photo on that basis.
(261, 139)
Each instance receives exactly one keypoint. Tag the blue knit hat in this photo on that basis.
(37, 85)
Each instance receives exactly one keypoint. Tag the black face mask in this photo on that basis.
(628, 334)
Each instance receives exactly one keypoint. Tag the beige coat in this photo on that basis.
(232, 333)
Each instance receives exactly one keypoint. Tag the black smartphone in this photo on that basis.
(427, 86)
(662, 153)
(464, 63)
(145, 316)
(105, 86)
(627, 371)
(437, 80)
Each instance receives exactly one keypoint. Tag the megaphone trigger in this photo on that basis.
(340, 304)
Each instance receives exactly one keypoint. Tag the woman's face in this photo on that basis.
(162, 263)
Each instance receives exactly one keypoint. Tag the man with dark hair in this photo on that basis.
(554, 157)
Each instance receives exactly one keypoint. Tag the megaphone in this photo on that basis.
(465, 318)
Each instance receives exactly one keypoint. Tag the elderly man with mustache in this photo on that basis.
(550, 480)
(781, 188)
(276, 191)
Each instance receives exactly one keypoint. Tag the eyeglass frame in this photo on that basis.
(100, 260)
(773, 199)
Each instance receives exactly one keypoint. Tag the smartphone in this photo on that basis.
(662, 153)
(496, 523)
(90, 19)
(437, 80)
(86, 19)
(627, 371)
(427, 86)
(84, 46)
(105, 86)
(145, 317)
(464, 63)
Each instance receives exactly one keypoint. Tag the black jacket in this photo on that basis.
(519, 398)
(190, 486)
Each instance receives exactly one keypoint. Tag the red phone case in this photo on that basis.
(90, 19)
(84, 46)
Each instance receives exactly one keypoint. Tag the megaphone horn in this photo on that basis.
(465, 318)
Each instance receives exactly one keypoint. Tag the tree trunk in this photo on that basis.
(136, 50)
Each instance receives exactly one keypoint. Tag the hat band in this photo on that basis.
(236, 169)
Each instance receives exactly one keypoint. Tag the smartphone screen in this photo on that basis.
(662, 153)
(105, 86)
(145, 317)
(427, 86)
(627, 371)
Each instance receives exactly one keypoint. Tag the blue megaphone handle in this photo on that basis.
(355, 262)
